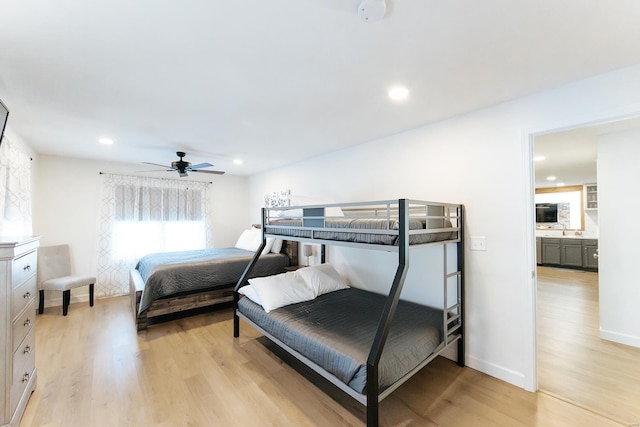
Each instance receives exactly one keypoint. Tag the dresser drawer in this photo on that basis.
(23, 325)
(24, 267)
(24, 363)
(23, 295)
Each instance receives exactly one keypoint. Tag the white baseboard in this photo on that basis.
(620, 338)
(497, 371)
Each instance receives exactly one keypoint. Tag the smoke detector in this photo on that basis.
(372, 10)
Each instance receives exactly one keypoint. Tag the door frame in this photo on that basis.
(528, 139)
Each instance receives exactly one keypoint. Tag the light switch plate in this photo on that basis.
(478, 243)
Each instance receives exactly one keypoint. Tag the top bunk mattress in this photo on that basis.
(373, 223)
(292, 228)
(336, 331)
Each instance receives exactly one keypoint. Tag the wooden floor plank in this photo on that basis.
(96, 370)
(574, 363)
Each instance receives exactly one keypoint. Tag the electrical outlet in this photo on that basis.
(478, 243)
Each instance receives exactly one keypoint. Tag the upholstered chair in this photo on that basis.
(54, 274)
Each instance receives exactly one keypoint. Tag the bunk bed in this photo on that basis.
(342, 334)
(172, 282)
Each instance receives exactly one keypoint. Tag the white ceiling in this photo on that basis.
(274, 82)
(571, 156)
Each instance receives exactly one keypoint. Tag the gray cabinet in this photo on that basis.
(571, 252)
(568, 252)
(550, 251)
(590, 253)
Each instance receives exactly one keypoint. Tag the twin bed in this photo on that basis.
(364, 343)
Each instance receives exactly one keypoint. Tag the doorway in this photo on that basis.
(574, 363)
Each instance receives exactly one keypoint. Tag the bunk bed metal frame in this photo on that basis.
(313, 220)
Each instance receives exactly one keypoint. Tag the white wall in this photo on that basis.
(483, 160)
(67, 207)
(618, 156)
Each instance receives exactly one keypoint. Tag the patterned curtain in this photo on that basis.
(15, 191)
(141, 215)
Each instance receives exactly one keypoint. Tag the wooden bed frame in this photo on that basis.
(191, 301)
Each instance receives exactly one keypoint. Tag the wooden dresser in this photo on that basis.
(18, 262)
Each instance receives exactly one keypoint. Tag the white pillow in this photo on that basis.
(268, 246)
(290, 213)
(322, 278)
(251, 239)
(276, 248)
(248, 240)
(281, 289)
(249, 292)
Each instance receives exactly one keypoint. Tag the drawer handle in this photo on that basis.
(25, 377)
(27, 322)
(26, 295)
(27, 267)
(27, 350)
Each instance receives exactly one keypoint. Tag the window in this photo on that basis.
(15, 190)
(146, 215)
(570, 205)
(152, 219)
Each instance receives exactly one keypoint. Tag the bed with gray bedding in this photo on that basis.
(164, 283)
(336, 331)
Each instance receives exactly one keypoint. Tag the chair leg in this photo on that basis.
(91, 295)
(66, 298)
(41, 302)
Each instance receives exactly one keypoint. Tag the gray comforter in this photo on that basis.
(171, 273)
(336, 331)
(425, 235)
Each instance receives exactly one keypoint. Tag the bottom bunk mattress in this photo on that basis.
(336, 331)
(170, 273)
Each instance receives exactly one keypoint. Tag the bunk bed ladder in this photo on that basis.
(454, 313)
(373, 389)
(243, 278)
(461, 284)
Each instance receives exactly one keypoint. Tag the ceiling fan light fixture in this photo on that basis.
(182, 167)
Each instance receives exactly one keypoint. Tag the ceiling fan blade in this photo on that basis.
(200, 166)
(213, 172)
(156, 164)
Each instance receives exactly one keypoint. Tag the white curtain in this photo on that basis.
(15, 191)
(142, 215)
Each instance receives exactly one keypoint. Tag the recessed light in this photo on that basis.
(560, 184)
(237, 162)
(539, 158)
(398, 93)
(551, 178)
(105, 141)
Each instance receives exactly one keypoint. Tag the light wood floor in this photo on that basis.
(95, 370)
(573, 361)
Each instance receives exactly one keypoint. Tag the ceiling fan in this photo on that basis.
(183, 167)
